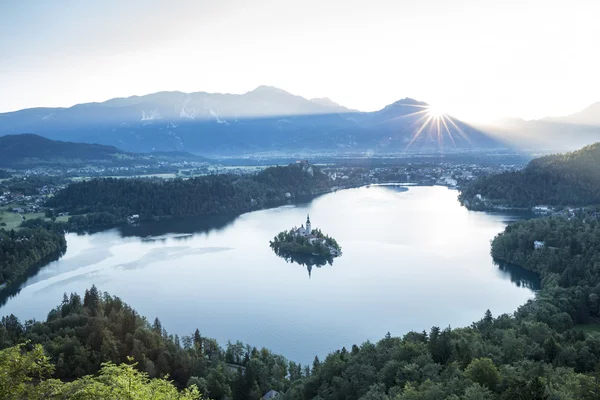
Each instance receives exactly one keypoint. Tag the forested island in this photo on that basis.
(569, 179)
(305, 240)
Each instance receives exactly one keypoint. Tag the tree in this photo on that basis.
(125, 382)
(484, 372)
(477, 392)
(19, 369)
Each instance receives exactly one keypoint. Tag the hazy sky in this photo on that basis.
(474, 58)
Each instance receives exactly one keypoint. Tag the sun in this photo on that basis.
(435, 112)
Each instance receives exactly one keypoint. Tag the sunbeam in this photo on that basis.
(437, 121)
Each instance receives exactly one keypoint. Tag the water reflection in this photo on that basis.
(520, 276)
(184, 228)
(307, 260)
(13, 289)
(399, 249)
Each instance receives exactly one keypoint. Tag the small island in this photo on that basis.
(305, 240)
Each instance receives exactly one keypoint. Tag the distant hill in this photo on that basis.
(588, 116)
(556, 180)
(29, 150)
(553, 134)
(265, 120)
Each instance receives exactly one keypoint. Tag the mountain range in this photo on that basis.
(271, 120)
(266, 119)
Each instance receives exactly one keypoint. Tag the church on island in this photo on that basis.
(307, 232)
(302, 231)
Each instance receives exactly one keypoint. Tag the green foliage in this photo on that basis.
(109, 201)
(484, 372)
(558, 180)
(23, 375)
(125, 382)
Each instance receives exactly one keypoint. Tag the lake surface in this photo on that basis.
(411, 259)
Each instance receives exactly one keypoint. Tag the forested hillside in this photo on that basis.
(82, 333)
(26, 248)
(28, 150)
(207, 195)
(568, 252)
(560, 180)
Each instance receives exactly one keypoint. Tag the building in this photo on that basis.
(302, 231)
(271, 394)
(538, 244)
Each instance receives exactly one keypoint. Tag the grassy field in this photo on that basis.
(12, 219)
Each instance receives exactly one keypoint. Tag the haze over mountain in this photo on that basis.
(266, 119)
(588, 116)
(566, 133)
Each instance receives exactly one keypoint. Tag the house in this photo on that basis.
(18, 210)
(271, 394)
(538, 244)
(542, 210)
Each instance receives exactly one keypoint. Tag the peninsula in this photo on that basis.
(305, 240)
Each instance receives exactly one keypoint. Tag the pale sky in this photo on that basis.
(475, 59)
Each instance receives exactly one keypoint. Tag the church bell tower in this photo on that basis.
(308, 227)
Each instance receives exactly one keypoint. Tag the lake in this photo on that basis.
(411, 259)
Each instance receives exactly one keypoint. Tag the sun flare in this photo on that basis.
(435, 112)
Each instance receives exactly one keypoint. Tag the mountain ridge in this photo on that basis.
(263, 120)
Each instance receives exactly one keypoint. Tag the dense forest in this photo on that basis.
(4, 174)
(557, 180)
(568, 253)
(23, 249)
(207, 195)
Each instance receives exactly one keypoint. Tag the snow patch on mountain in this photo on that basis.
(150, 115)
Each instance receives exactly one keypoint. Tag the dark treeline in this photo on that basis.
(559, 180)
(4, 174)
(23, 249)
(207, 195)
